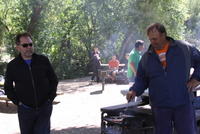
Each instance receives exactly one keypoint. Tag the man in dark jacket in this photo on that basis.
(164, 70)
(95, 63)
(31, 84)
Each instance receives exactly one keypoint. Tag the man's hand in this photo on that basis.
(192, 84)
(130, 95)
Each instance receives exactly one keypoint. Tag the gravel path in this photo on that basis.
(77, 110)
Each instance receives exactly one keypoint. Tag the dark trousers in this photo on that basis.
(95, 74)
(181, 118)
(34, 121)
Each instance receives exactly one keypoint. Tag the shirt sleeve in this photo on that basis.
(53, 80)
(9, 86)
(141, 80)
(195, 58)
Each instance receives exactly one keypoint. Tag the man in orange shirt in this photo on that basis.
(164, 69)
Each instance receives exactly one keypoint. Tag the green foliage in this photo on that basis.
(193, 22)
(66, 30)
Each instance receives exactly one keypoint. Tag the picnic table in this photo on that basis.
(106, 65)
(3, 97)
(104, 71)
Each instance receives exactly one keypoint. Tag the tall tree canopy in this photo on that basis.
(66, 30)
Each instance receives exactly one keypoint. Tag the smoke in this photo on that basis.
(119, 23)
(110, 46)
(193, 32)
(120, 43)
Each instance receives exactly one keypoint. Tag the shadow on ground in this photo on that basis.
(73, 88)
(10, 109)
(75, 85)
(77, 130)
(96, 92)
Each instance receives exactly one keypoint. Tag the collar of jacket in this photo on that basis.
(172, 43)
(19, 57)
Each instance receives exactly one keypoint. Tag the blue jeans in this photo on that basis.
(32, 121)
(181, 118)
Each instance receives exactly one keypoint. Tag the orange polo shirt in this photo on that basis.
(162, 55)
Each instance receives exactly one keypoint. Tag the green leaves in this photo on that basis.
(66, 30)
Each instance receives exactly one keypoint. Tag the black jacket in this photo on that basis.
(32, 85)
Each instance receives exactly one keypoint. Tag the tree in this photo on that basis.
(66, 30)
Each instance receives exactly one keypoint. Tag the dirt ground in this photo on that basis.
(77, 110)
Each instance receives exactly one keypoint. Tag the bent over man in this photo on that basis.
(164, 70)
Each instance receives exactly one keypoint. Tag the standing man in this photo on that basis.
(31, 84)
(164, 70)
(134, 58)
(95, 63)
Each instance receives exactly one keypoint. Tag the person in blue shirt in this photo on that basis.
(163, 70)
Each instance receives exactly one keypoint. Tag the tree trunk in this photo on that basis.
(35, 16)
(125, 44)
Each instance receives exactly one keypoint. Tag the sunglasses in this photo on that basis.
(27, 44)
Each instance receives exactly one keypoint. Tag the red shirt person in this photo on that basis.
(114, 66)
(113, 63)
